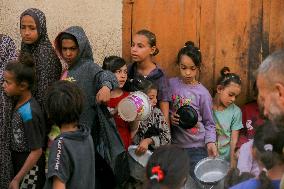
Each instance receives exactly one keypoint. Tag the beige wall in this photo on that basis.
(101, 19)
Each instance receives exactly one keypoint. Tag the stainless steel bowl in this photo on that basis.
(210, 171)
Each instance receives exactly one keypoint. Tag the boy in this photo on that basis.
(71, 161)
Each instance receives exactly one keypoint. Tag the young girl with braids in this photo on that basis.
(267, 150)
(167, 168)
(227, 115)
(186, 90)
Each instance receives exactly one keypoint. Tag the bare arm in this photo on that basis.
(233, 143)
(28, 165)
(57, 183)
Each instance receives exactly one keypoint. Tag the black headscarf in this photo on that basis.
(47, 64)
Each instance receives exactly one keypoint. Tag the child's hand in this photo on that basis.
(143, 146)
(212, 149)
(14, 184)
(103, 95)
(175, 119)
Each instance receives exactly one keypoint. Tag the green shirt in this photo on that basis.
(226, 121)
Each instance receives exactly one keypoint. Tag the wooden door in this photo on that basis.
(238, 34)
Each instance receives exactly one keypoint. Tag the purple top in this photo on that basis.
(157, 76)
(200, 99)
(246, 163)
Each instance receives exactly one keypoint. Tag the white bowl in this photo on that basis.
(135, 106)
(143, 159)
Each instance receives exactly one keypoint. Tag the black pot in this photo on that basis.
(188, 117)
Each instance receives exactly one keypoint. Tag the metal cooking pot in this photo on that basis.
(210, 171)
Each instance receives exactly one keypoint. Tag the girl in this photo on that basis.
(227, 115)
(36, 42)
(74, 47)
(7, 53)
(186, 90)
(268, 151)
(167, 168)
(28, 126)
(125, 129)
(143, 48)
(251, 118)
(153, 131)
(118, 66)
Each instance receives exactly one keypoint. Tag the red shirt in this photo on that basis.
(251, 119)
(121, 125)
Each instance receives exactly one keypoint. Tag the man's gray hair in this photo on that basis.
(273, 66)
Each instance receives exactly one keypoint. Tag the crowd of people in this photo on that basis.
(90, 147)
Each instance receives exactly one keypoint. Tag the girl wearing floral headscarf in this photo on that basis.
(36, 42)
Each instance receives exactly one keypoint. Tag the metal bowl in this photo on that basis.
(210, 171)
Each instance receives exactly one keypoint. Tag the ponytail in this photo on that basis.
(265, 182)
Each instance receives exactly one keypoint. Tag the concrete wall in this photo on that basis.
(101, 19)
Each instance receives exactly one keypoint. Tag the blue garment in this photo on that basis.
(254, 184)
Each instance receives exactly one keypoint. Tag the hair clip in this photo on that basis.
(264, 170)
(268, 147)
(158, 173)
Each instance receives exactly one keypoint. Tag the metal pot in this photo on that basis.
(210, 171)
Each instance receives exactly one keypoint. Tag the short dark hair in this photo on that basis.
(140, 83)
(174, 169)
(64, 102)
(23, 69)
(113, 63)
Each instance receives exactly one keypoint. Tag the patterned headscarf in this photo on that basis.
(7, 53)
(47, 64)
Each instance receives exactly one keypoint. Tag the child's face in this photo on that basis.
(152, 94)
(121, 75)
(28, 30)
(69, 51)
(228, 94)
(188, 70)
(10, 86)
(141, 49)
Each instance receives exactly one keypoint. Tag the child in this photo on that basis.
(7, 53)
(28, 125)
(268, 151)
(167, 168)
(74, 47)
(154, 131)
(36, 42)
(186, 90)
(251, 118)
(71, 161)
(227, 115)
(118, 66)
(143, 48)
